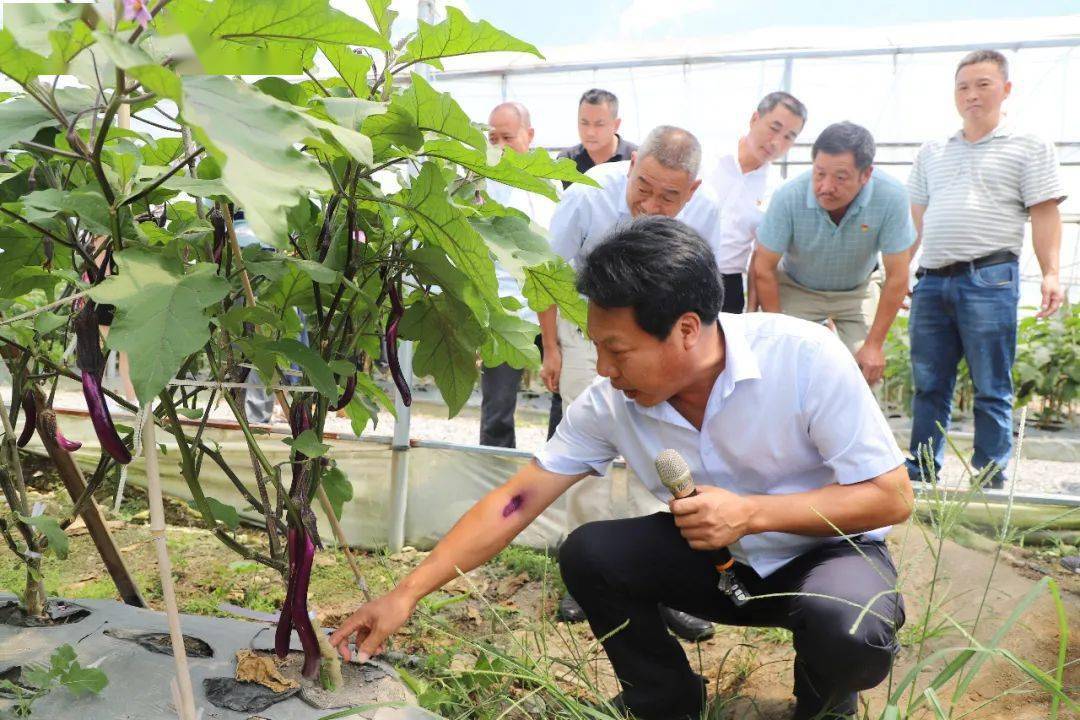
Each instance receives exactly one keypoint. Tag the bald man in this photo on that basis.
(510, 127)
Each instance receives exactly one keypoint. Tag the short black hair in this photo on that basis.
(786, 99)
(597, 96)
(980, 56)
(843, 137)
(658, 266)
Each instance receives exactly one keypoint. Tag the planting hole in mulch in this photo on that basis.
(232, 694)
(162, 642)
(57, 612)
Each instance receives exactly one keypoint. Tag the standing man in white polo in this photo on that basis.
(739, 180)
(971, 195)
(661, 178)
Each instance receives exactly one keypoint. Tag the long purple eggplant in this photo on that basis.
(50, 426)
(30, 413)
(396, 311)
(346, 394)
(284, 626)
(90, 360)
(294, 611)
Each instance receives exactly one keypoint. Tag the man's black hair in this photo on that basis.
(658, 266)
(843, 137)
(597, 96)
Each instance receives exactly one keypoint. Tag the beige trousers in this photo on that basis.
(852, 311)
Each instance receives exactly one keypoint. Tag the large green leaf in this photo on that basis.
(16, 62)
(20, 248)
(50, 528)
(438, 112)
(553, 283)
(352, 68)
(50, 31)
(253, 137)
(443, 224)
(477, 161)
(338, 489)
(21, 118)
(457, 35)
(139, 64)
(447, 337)
(88, 206)
(159, 314)
(539, 163)
(511, 340)
(351, 112)
(433, 267)
(322, 377)
(383, 15)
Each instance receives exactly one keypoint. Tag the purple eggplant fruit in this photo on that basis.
(91, 361)
(396, 311)
(30, 411)
(346, 394)
(50, 427)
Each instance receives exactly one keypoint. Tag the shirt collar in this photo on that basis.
(740, 363)
(861, 200)
(622, 150)
(1003, 129)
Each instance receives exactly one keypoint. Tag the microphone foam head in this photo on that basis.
(674, 473)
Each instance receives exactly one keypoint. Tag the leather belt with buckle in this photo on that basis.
(959, 268)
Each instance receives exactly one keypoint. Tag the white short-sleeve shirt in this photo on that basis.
(586, 214)
(742, 198)
(790, 412)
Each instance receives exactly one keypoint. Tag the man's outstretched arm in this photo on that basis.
(485, 529)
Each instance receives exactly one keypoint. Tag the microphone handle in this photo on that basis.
(721, 558)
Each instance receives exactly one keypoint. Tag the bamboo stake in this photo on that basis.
(186, 710)
(340, 535)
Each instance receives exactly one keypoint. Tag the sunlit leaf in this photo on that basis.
(457, 35)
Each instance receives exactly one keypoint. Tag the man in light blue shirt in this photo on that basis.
(824, 237)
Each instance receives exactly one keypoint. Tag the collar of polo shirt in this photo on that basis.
(1003, 129)
(740, 364)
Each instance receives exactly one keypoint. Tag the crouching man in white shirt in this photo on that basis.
(786, 444)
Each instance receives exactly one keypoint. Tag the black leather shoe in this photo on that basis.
(569, 611)
(686, 626)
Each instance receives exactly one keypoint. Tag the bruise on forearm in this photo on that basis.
(514, 505)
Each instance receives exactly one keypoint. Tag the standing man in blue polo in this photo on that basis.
(971, 195)
(824, 237)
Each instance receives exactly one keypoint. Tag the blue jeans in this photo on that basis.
(972, 315)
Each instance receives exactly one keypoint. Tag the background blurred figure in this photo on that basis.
(598, 128)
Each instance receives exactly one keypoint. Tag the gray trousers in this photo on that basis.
(620, 570)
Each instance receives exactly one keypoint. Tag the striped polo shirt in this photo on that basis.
(977, 194)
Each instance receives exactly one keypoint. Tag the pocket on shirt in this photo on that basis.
(1002, 275)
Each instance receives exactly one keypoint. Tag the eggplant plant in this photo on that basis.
(363, 183)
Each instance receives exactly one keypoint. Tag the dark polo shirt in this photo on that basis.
(581, 157)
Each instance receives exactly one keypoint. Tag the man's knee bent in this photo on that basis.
(581, 556)
(860, 657)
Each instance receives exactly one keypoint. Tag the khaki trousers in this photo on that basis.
(852, 311)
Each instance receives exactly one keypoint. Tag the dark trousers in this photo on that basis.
(620, 570)
(499, 388)
(734, 298)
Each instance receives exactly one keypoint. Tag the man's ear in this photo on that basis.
(633, 160)
(532, 134)
(617, 123)
(693, 188)
(689, 327)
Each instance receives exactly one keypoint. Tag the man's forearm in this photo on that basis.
(893, 293)
(549, 326)
(885, 500)
(767, 288)
(1046, 239)
(485, 529)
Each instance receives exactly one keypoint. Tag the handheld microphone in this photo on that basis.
(675, 475)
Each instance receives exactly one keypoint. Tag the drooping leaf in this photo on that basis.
(139, 64)
(443, 224)
(225, 514)
(50, 528)
(253, 137)
(159, 314)
(457, 35)
(432, 266)
(16, 62)
(307, 443)
(351, 112)
(511, 340)
(20, 247)
(446, 338)
(322, 377)
(88, 206)
(338, 489)
(539, 163)
(516, 243)
(46, 322)
(22, 117)
(503, 171)
(384, 17)
(553, 283)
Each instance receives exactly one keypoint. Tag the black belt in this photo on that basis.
(959, 268)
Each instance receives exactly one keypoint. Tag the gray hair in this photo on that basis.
(843, 137)
(521, 110)
(980, 56)
(780, 97)
(674, 148)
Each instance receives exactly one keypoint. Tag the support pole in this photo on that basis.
(399, 455)
(186, 708)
